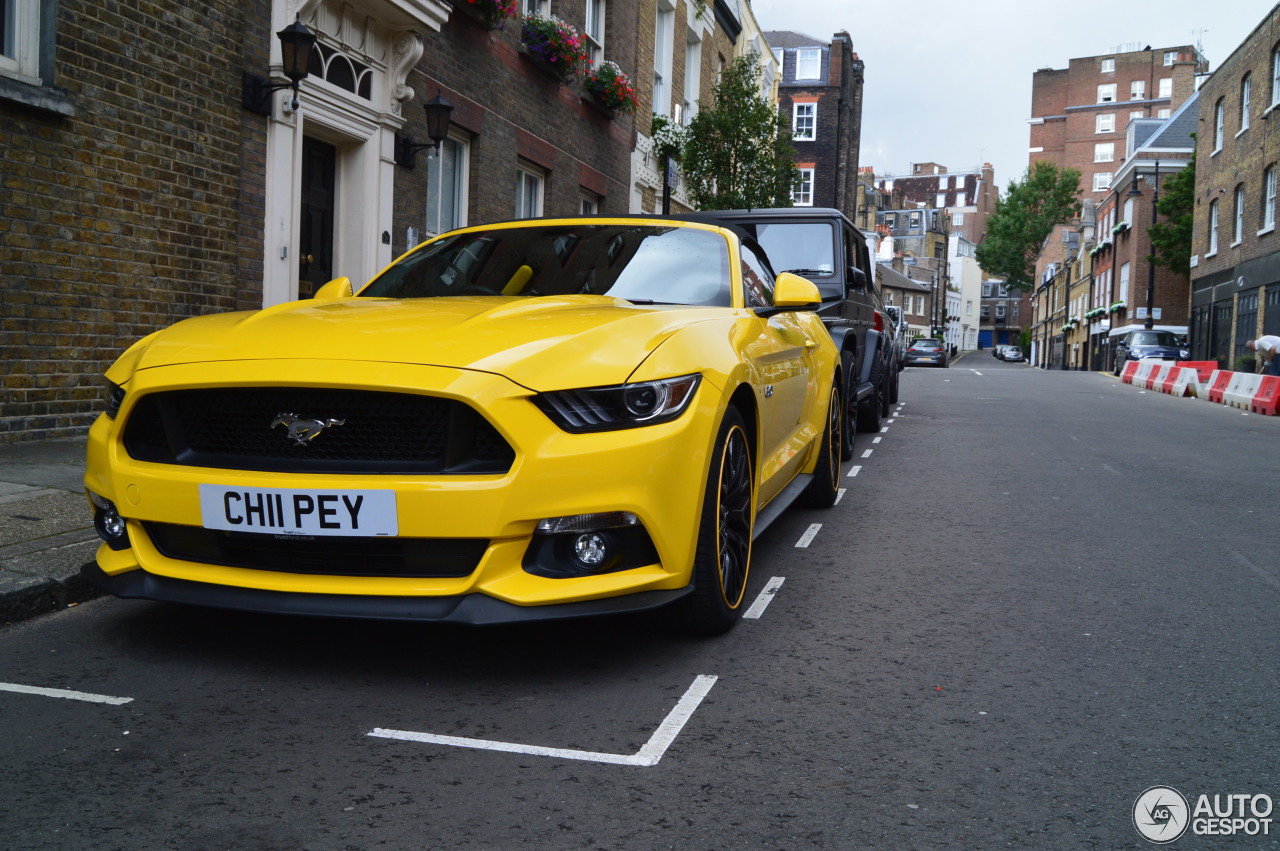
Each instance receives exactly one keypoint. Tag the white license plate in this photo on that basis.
(356, 513)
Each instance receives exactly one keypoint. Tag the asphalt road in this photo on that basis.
(1041, 594)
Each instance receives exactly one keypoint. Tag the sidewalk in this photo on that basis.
(46, 528)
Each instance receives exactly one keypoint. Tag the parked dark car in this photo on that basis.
(927, 352)
(1147, 343)
(823, 245)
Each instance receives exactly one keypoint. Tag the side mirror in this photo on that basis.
(857, 278)
(335, 289)
(792, 292)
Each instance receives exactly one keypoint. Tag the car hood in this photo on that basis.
(1170, 352)
(541, 343)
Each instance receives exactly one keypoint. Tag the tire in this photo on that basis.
(850, 427)
(722, 560)
(870, 411)
(893, 388)
(822, 491)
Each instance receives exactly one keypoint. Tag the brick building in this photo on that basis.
(969, 197)
(143, 185)
(1235, 262)
(820, 93)
(1079, 113)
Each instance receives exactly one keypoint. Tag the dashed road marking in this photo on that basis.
(866, 453)
(853, 471)
(808, 536)
(766, 597)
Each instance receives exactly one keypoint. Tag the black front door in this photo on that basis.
(315, 261)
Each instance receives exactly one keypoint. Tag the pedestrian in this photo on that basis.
(1267, 348)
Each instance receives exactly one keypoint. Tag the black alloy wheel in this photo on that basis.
(722, 562)
(849, 399)
(825, 487)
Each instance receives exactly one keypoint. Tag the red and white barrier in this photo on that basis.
(1258, 394)
(1240, 392)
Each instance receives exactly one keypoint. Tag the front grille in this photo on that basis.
(231, 428)
(431, 558)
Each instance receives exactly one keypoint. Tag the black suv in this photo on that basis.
(821, 244)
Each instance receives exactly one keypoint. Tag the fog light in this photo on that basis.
(108, 523)
(591, 548)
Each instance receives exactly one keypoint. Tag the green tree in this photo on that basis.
(1023, 219)
(1171, 238)
(737, 151)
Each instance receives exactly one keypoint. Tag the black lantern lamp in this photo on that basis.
(296, 42)
(438, 111)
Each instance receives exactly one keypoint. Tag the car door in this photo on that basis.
(782, 357)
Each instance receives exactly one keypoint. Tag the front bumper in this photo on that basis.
(645, 471)
(468, 609)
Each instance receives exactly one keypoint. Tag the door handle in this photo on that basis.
(308, 258)
(809, 344)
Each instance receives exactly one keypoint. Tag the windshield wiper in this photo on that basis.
(808, 271)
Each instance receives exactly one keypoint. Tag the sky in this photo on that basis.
(950, 82)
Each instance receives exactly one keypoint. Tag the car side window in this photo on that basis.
(757, 283)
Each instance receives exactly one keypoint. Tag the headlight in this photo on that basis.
(623, 406)
(1185, 354)
(115, 398)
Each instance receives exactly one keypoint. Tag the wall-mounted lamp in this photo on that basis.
(296, 42)
(438, 111)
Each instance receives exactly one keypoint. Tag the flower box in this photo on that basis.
(608, 87)
(490, 14)
(555, 46)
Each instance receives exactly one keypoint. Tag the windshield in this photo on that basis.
(1154, 338)
(639, 263)
(806, 248)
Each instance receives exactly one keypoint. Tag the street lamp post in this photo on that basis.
(1151, 266)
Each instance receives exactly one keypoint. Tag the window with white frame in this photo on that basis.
(1000, 310)
(1162, 113)
(942, 182)
(692, 74)
(20, 40)
(1213, 228)
(589, 204)
(1107, 93)
(1137, 114)
(1246, 86)
(1137, 90)
(447, 187)
(1108, 66)
(1170, 57)
(809, 63)
(804, 122)
(1237, 229)
(1275, 76)
(529, 182)
(594, 32)
(538, 7)
(940, 201)
(1101, 181)
(1128, 210)
(802, 192)
(1104, 152)
(778, 56)
(1104, 122)
(663, 41)
(1124, 283)
(1219, 123)
(1165, 88)
(961, 198)
(986, 289)
(957, 220)
(1269, 198)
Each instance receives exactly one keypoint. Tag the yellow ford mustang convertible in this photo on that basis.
(522, 421)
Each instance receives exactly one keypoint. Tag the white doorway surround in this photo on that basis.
(357, 104)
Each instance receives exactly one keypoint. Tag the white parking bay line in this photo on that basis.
(646, 756)
(853, 471)
(65, 694)
(766, 597)
(876, 439)
(866, 453)
(839, 496)
(809, 535)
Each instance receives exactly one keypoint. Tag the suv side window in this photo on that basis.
(757, 283)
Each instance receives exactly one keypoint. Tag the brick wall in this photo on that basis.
(513, 111)
(133, 212)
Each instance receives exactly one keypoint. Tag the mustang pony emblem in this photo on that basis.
(303, 431)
